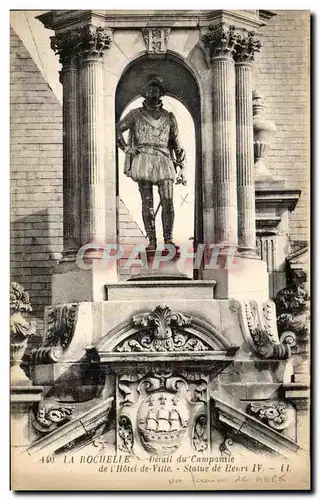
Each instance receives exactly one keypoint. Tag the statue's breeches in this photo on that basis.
(152, 168)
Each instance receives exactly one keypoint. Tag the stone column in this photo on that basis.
(93, 42)
(220, 41)
(65, 45)
(245, 48)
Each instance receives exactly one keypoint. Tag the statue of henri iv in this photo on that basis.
(154, 156)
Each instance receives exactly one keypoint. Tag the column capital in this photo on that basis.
(220, 40)
(80, 44)
(226, 40)
(246, 46)
(65, 45)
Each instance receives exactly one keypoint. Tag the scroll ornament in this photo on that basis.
(259, 327)
(61, 323)
(20, 330)
(50, 416)
(277, 415)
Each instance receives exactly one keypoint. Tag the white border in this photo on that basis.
(4, 195)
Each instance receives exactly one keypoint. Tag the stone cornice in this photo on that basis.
(277, 198)
(117, 19)
(83, 43)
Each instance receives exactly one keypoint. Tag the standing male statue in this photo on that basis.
(153, 154)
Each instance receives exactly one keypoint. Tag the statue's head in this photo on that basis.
(154, 89)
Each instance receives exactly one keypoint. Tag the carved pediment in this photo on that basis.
(164, 331)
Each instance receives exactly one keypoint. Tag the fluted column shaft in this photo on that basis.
(231, 52)
(93, 215)
(245, 158)
(245, 48)
(71, 174)
(81, 51)
(224, 150)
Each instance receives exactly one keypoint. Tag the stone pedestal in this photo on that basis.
(22, 399)
(72, 283)
(159, 264)
(274, 202)
(160, 348)
(244, 279)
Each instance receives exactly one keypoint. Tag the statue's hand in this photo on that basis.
(181, 178)
(132, 151)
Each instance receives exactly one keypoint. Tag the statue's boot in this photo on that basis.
(167, 220)
(149, 222)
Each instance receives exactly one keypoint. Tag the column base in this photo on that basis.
(245, 279)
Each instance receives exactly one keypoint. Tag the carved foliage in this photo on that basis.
(223, 40)
(293, 312)
(156, 39)
(220, 40)
(277, 415)
(200, 434)
(66, 46)
(82, 43)
(93, 41)
(19, 299)
(125, 434)
(61, 325)
(225, 446)
(246, 47)
(20, 327)
(162, 333)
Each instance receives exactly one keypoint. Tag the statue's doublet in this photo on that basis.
(152, 137)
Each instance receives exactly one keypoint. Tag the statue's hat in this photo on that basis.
(156, 80)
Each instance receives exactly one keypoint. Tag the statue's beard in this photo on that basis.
(152, 103)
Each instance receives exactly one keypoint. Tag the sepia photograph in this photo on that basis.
(160, 206)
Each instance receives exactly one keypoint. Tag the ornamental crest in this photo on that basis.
(162, 422)
(156, 39)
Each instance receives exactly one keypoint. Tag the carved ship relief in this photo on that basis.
(162, 422)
